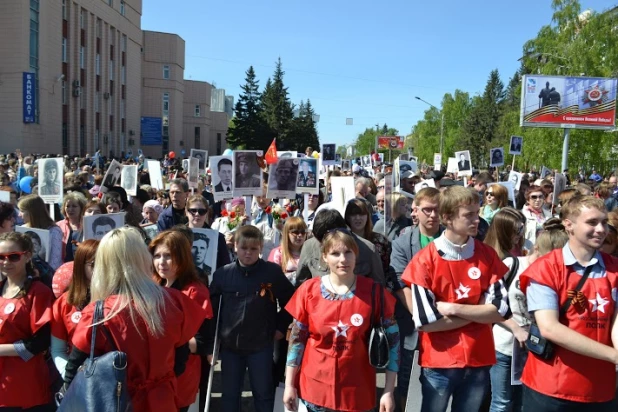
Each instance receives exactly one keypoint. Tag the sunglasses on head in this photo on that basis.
(12, 257)
(199, 211)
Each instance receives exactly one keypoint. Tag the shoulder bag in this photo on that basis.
(379, 350)
(100, 383)
(536, 343)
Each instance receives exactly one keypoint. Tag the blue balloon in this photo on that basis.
(24, 184)
(227, 152)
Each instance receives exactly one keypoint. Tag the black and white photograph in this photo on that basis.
(345, 164)
(151, 230)
(516, 144)
(194, 172)
(282, 179)
(112, 177)
(464, 167)
(128, 181)
(221, 172)
(338, 158)
(342, 192)
(496, 157)
(154, 171)
(185, 165)
(247, 177)
(97, 226)
(424, 184)
(201, 156)
(366, 161)
(204, 251)
(545, 172)
(560, 183)
(40, 241)
(515, 178)
(287, 154)
(328, 154)
(51, 174)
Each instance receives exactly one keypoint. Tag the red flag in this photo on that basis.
(271, 153)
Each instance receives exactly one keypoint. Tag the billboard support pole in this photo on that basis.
(565, 150)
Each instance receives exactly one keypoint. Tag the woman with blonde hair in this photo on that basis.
(496, 197)
(504, 396)
(536, 214)
(400, 210)
(171, 252)
(288, 253)
(151, 324)
(73, 208)
(35, 214)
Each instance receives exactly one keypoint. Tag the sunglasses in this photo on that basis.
(11, 257)
(536, 197)
(298, 232)
(199, 211)
(489, 193)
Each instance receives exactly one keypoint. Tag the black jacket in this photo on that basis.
(249, 316)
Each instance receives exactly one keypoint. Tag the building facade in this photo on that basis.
(78, 76)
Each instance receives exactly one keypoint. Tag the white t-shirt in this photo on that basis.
(503, 338)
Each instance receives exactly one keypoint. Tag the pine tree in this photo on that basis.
(278, 110)
(248, 129)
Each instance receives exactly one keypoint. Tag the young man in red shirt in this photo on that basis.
(581, 374)
(457, 293)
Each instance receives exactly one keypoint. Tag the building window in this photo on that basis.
(64, 50)
(97, 64)
(34, 35)
(196, 142)
(99, 28)
(65, 137)
(122, 109)
(111, 3)
(218, 143)
(82, 57)
(166, 104)
(64, 92)
(166, 72)
(111, 70)
(197, 110)
(96, 140)
(123, 75)
(122, 8)
(64, 9)
(82, 19)
(123, 45)
(97, 97)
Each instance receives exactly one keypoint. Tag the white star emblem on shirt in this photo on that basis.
(340, 330)
(462, 291)
(599, 303)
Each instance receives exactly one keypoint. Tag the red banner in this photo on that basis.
(390, 142)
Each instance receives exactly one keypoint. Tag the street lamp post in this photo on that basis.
(441, 122)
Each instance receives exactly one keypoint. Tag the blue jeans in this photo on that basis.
(405, 370)
(504, 396)
(233, 368)
(468, 387)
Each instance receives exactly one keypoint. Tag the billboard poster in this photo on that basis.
(152, 131)
(29, 95)
(568, 102)
(390, 142)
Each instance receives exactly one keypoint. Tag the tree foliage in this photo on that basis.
(572, 44)
(260, 117)
(365, 143)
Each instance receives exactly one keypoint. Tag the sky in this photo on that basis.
(363, 60)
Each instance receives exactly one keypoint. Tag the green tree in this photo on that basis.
(365, 143)
(278, 110)
(248, 128)
(303, 130)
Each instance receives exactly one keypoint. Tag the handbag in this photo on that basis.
(100, 383)
(536, 343)
(379, 350)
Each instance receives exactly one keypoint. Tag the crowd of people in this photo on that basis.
(509, 302)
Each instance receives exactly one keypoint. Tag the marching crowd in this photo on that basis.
(510, 303)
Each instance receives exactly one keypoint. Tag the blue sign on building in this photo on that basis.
(29, 94)
(152, 131)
